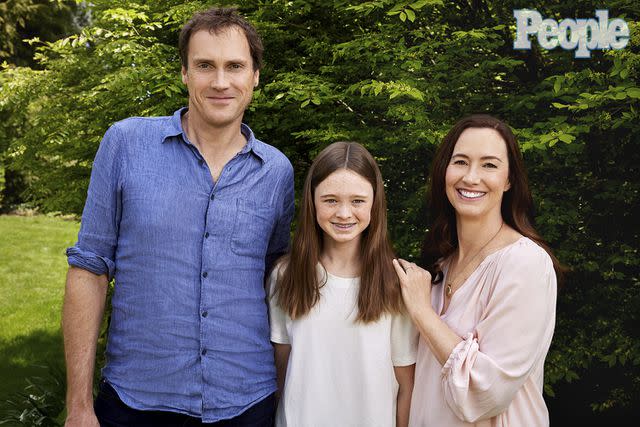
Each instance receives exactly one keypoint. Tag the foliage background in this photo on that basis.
(393, 75)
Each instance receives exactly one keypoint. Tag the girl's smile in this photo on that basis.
(343, 203)
(343, 227)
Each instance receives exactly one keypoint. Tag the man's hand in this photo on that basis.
(84, 418)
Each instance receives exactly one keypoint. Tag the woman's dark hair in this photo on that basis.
(517, 204)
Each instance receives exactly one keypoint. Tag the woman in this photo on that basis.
(487, 324)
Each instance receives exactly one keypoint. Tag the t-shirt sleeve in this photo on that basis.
(277, 317)
(404, 340)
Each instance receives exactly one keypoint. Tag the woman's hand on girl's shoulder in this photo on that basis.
(415, 283)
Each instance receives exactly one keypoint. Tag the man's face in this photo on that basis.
(220, 77)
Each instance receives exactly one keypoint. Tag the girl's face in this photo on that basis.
(478, 174)
(343, 204)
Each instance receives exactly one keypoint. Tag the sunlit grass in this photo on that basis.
(32, 271)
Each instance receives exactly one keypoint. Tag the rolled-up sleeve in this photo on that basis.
(486, 369)
(98, 236)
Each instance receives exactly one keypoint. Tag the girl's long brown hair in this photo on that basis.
(517, 204)
(298, 285)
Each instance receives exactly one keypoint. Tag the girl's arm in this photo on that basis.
(279, 335)
(282, 360)
(404, 376)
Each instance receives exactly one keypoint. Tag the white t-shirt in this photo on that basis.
(340, 372)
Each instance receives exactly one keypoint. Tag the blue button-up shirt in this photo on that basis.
(189, 329)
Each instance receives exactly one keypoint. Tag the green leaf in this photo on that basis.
(620, 95)
(633, 92)
(422, 3)
(548, 390)
(557, 84)
(416, 94)
(410, 14)
(617, 62)
(570, 376)
(546, 138)
(565, 137)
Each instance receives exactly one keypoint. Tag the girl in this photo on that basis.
(487, 325)
(344, 352)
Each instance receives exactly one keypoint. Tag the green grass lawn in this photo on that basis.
(32, 271)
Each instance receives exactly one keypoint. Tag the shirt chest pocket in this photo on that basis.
(252, 229)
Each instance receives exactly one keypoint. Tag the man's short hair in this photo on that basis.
(215, 20)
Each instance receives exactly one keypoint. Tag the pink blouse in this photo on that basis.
(505, 314)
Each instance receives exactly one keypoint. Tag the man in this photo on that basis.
(187, 213)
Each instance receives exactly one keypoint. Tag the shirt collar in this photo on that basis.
(253, 144)
(174, 128)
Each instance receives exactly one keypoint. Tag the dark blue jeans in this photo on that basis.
(112, 412)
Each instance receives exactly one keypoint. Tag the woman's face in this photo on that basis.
(343, 202)
(478, 174)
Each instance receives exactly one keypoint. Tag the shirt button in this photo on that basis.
(205, 274)
(205, 313)
(204, 351)
(206, 235)
(213, 196)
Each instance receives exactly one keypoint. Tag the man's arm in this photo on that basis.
(82, 312)
(279, 240)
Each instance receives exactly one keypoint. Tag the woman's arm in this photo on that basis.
(416, 292)
(482, 372)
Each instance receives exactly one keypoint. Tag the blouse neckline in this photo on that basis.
(464, 284)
